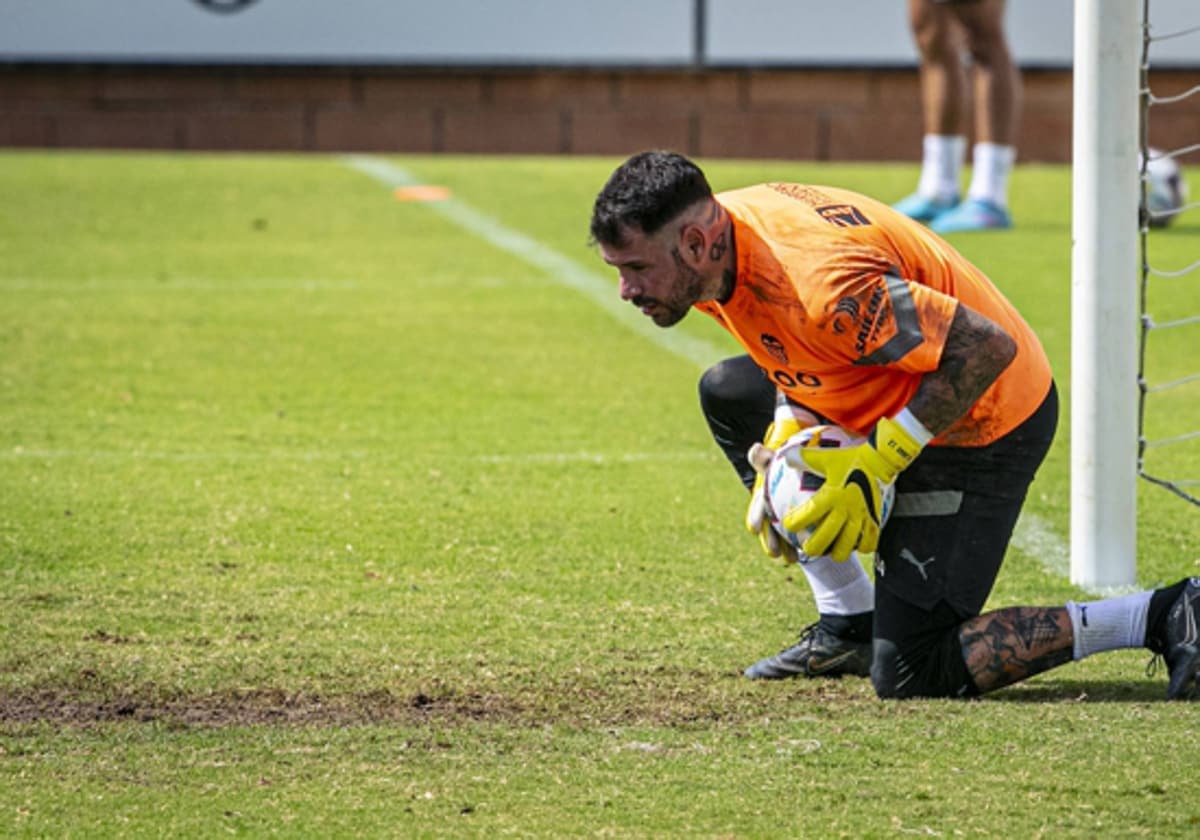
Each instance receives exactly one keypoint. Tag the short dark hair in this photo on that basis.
(645, 192)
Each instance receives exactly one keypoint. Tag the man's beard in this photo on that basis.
(689, 286)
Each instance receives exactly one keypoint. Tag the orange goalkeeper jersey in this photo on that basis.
(846, 303)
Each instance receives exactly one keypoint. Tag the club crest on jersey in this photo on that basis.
(843, 215)
(775, 347)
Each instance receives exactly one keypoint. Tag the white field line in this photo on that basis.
(594, 457)
(560, 268)
(1033, 535)
(173, 284)
(33, 454)
(179, 456)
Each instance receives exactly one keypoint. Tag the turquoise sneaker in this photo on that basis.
(972, 214)
(923, 208)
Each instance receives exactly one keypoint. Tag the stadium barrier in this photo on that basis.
(790, 113)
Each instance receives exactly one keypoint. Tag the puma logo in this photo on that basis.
(905, 554)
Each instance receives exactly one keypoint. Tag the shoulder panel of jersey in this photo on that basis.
(846, 304)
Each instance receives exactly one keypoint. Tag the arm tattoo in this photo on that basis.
(976, 352)
(1010, 645)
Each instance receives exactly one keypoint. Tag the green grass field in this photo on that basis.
(327, 514)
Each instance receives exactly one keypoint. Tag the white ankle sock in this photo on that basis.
(839, 588)
(992, 164)
(941, 165)
(1109, 624)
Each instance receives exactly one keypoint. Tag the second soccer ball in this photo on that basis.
(1166, 191)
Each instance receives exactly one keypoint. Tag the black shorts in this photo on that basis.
(950, 527)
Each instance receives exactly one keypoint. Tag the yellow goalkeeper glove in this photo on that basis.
(760, 456)
(845, 513)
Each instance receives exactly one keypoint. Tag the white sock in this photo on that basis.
(839, 588)
(992, 164)
(941, 165)
(1109, 624)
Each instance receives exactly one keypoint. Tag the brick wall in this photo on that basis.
(784, 113)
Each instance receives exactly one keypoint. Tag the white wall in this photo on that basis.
(529, 32)
(869, 32)
(352, 31)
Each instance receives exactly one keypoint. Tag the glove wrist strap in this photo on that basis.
(916, 430)
(896, 447)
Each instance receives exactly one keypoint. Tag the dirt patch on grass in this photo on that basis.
(678, 700)
(702, 699)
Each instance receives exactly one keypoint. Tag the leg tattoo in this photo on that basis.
(1007, 646)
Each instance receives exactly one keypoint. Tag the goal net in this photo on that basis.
(1168, 380)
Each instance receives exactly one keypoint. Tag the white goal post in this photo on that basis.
(1104, 292)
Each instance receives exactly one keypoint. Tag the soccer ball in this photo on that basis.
(787, 487)
(1166, 191)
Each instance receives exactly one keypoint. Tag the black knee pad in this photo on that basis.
(736, 385)
(931, 668)
(738, 402)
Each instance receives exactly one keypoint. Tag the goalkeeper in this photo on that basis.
(858, 316)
